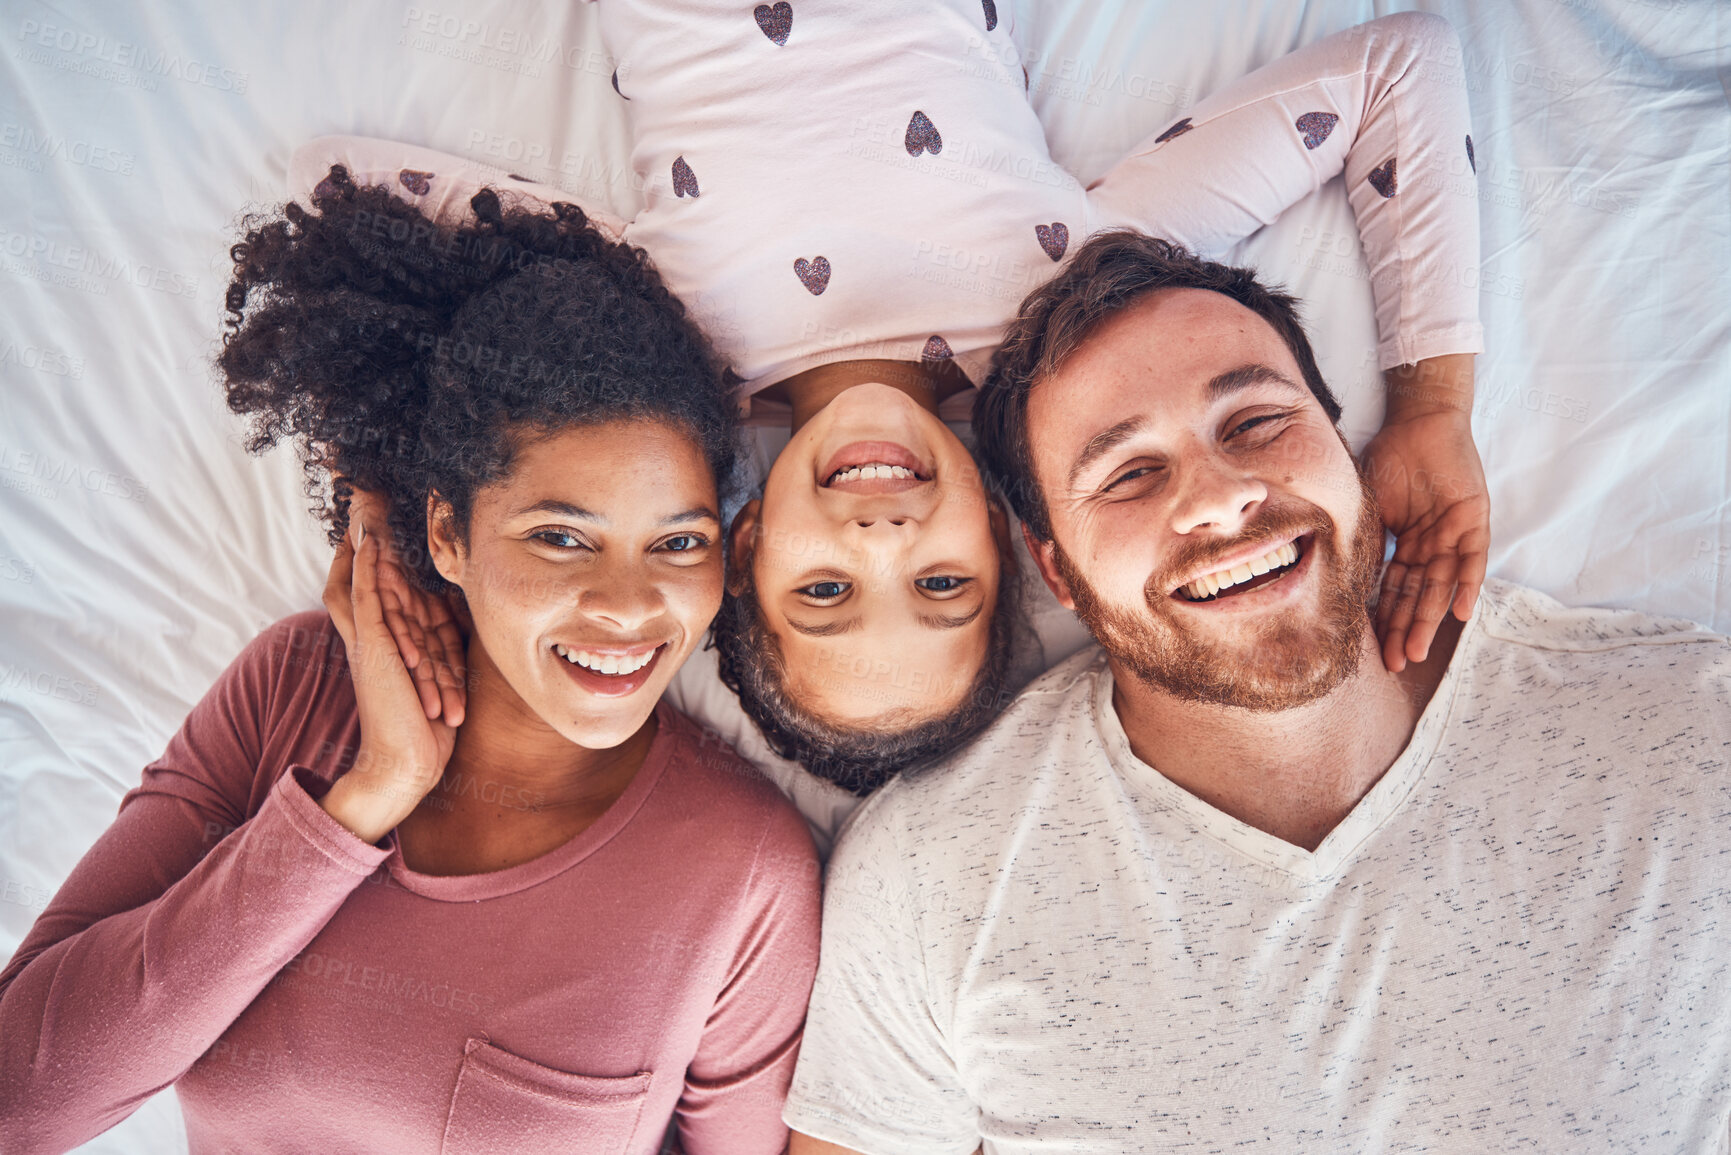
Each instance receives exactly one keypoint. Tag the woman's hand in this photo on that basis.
(1430, 486)
(430, 634)
(403, 752)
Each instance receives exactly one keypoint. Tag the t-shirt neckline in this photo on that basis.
(1373, 812)
(497, 883)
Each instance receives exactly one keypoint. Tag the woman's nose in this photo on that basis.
(627, 600)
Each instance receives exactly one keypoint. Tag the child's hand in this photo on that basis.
(1430, 485)
(430, 633)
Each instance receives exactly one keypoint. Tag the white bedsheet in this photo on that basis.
(140, 547)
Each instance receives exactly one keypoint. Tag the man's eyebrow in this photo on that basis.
(951, 622)
(1101, 444)
(828, 629)
(1245, 376)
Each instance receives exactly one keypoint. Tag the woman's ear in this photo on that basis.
(742, 545)
(447, 551)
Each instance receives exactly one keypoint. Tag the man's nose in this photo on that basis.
(1214, 494)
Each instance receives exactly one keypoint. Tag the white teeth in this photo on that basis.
(605, 663)
(872, 472)
(1210, 584)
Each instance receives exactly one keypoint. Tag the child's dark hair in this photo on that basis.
(409, 358)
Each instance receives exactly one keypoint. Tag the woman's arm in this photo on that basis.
(185, 908)
(172, 923)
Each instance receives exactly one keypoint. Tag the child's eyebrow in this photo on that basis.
(951, 621)
(828, 629)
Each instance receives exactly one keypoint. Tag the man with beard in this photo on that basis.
(1229, 881)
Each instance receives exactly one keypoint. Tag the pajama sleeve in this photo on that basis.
(438, 183)
(876, 1072)
(1383, 104)
(173, 922)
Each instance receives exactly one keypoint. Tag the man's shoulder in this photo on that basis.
(1598, 644)
(1602, 674)
(1048, 725)
(1521, 616)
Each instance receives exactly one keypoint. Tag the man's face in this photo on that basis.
(1210, 526)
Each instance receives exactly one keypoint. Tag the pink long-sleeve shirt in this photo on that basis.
(307, 991)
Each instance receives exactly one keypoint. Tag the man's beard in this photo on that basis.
(1296, 659)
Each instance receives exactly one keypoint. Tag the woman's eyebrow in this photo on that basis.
(578, 513)
(696, 513)
(562, 509)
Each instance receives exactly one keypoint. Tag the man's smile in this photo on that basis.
(1244, 574)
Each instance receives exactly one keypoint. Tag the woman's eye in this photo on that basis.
(684, 543)
(942, 584)
(558, 538)
(824, 591)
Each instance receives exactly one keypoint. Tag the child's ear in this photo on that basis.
(742, 545)
(448, 555)
(1045, 556)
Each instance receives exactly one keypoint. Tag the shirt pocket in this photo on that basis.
(507, 1104)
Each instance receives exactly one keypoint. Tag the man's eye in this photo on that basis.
(942, 584)
(824, 591)
(684, 542)
(1246, 426)
(1127, 475)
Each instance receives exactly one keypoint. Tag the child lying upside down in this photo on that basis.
(853, 204)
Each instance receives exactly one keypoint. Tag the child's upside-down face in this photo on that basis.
(876, 556)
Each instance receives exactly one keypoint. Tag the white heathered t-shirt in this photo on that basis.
(1520, 939)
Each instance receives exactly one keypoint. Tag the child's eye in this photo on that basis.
(942, 583)
(824, 591)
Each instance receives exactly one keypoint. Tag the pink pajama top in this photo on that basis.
(825, 181)
(306, 991)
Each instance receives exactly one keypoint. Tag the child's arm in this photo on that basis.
(1430, 486)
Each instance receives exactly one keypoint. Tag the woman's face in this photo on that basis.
(875, 559)
(591, 572)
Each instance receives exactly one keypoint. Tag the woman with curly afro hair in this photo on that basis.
(350, 910)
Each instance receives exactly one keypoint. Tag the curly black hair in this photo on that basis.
(409, 358)
(858, 759)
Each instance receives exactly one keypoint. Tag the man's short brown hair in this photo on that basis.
(1115, 268)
